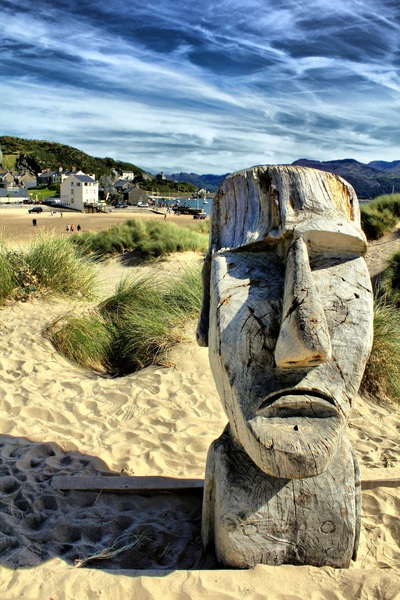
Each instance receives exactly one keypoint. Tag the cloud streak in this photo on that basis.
(205, 87)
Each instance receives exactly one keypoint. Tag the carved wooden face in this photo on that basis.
(290, 332)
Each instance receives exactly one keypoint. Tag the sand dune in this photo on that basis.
(58, 420)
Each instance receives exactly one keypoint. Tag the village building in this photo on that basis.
(13, 195)
(134, 196)
(77, 191)
(127, 175)
(25, 179)
(6, 179)
(52, 177)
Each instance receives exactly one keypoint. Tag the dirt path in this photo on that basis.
(381, 250)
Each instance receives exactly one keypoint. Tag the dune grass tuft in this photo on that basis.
(390, 283)
(8, 280)
(49, 265)
(88, 342)
(134, 328)
(149, 238)
(382, 373)
(380, 216)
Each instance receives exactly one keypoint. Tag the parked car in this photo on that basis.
(35, 209)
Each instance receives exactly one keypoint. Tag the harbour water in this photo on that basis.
(205, 205)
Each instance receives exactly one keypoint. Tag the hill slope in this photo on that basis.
(40, 155)
(368, 182)
(209, 181)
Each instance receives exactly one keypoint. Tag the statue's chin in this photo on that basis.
(294, 447)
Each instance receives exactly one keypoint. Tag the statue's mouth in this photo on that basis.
(298, 403)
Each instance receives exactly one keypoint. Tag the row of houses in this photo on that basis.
(77, 189)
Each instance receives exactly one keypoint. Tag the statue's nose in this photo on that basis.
(304, 339)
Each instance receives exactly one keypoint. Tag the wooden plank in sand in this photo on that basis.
(370, 479)
(373, 478)
(121, 484)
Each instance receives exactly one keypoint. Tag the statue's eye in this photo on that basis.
(326, 260)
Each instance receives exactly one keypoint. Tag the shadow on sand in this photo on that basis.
(92, 529)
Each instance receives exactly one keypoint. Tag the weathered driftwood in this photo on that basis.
(125, 484)
(385, 477)
(287, 316)
(370, 479)
(253, 518)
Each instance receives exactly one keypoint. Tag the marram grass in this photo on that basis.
(380, 215)
(49, 265)
(88, 342)
(147, 238)
(134, 328)
(382, 373)
(391, 279)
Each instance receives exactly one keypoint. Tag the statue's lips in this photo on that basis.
(298, 403)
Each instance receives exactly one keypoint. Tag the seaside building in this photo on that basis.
(76, 191)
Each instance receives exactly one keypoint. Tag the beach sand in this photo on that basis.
(59, 420)
(16, 222)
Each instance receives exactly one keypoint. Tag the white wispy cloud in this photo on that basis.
(213, 86)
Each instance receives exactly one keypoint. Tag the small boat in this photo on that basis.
(187, 210)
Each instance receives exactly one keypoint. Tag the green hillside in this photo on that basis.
(40, 155)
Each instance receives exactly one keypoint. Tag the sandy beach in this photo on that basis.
(58, 420)
(16, 222)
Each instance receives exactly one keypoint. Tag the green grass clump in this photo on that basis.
(376, 223)
(50, 265)
(138, 325)
(8, 280)
(382, 373)
(380, 216)
(391, 279)
(201, 226)
(88, 342)
(149, 238)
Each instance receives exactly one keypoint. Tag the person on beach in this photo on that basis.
(78, 227)
(34, 222)
(67, 228)
(72, 227)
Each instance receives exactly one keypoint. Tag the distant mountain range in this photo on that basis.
(374, 179)
(369, 180)
(209, 181)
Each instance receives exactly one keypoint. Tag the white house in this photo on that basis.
(128, 175)
(78, 190)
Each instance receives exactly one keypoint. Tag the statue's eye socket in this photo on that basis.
(326, 259)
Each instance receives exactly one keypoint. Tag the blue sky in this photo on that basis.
(204, 86)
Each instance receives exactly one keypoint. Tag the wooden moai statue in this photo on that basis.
(287, 316)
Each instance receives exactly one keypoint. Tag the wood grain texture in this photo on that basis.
(125, 484)
(253, 518)
(287, 315)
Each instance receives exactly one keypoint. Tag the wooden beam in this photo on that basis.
(373, 478)
(370, 479)
(123, 483)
